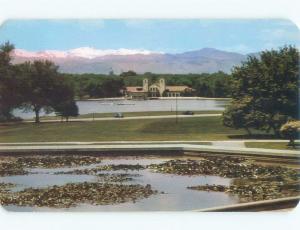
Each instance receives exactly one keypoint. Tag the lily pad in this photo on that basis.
(72, 194)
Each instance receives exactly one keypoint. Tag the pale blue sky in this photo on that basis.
(171, 36)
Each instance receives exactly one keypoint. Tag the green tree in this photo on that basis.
(129, 73)
(43, 87)
(112, 87)
(10, 97)
(291, 130)
(265, 91)
(66, 109)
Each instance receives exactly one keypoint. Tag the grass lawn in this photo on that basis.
(194, 128)
(270, 145)
(129, 114)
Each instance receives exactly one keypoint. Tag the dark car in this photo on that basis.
(118, 115)
(188, 113)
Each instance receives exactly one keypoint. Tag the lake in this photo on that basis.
(113, 106)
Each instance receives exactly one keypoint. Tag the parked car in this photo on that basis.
(188, 113)
(118, 115)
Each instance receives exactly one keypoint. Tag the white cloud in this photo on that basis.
(239, 48)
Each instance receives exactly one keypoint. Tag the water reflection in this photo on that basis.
(176, 196)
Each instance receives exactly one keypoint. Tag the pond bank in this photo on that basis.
(150, 148)
(157, 98)
(281, 204)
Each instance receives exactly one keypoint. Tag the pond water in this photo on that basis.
(176, 196)
(113, 106)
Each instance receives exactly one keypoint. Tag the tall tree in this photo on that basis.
(265, 91)
(63, 103)
(291, 130)
(44, 87)
(9, 84)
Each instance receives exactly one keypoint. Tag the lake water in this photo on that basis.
(176, 196)
(113, 106)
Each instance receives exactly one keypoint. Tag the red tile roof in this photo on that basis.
(177, 88)
(134, 89)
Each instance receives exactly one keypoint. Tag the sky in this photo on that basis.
(169, 36)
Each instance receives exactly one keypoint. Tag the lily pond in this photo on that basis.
(139, 183)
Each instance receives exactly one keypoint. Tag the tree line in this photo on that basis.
(88, 86)
(100, 85)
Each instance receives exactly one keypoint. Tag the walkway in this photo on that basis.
(167, 147)
(224, 143)
(228, 143)
(239, 144)
(131, 118)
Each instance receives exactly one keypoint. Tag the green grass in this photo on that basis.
(127, 114)
(194, 128)
(270, 145)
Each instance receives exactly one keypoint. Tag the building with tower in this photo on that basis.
(156, 89)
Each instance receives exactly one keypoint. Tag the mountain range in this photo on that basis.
(90, 60)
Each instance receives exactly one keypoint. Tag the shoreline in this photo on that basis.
(128, 114)
(158, 98)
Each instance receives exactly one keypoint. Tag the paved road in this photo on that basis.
(132, 118)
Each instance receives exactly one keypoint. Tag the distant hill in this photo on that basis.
(89, 60)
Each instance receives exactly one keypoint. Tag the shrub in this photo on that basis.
(291, 131)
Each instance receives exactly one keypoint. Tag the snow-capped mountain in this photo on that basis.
(90, 60)
(82, 52)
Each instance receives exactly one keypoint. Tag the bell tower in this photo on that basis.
(162, 86)
(145, 85)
